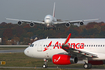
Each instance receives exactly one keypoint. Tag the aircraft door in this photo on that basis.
(39, 48)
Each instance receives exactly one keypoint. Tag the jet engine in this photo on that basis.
(31, 24)
(81, 23)
(62, 59)
(67, 24)
(19, 23)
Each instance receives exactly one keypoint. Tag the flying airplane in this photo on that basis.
(50, 21)
(64, 51)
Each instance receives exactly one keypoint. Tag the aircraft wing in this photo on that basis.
(76, 51)
(26, 21)
(78, 21)
(60, 22)
(74, 21)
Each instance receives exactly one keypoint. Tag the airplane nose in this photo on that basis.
(26, 51)
(47, 21)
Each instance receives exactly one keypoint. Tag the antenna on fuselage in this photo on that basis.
(47, 37)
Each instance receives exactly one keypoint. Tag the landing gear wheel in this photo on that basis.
(46, 28)
(44, 66)
(87, 66)
(45, 63)
(56, 28)
(90, 66)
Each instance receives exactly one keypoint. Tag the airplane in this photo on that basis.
(50, 21)
(65, 51)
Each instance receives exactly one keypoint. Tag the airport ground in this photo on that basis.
(19, 61)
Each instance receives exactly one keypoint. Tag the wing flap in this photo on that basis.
(83, 53)
(79, 52)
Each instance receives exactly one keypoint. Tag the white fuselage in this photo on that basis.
(49, 20)
(41, 48)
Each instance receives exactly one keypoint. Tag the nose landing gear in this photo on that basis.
(45, 63)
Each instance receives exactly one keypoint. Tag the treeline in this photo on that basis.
(15, 34)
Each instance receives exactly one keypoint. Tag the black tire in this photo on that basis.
(44, 66)
(87, 66)
(90, 66)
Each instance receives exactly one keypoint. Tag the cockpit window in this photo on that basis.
(31, 45)
(47, 18)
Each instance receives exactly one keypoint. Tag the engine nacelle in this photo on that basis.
(67, 24)
(81, 23)
(19, 23)
(32, 24)
(62, 59)
(96, 62)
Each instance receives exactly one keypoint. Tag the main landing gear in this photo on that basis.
(87, 65)
(52, 28)
(45, 63)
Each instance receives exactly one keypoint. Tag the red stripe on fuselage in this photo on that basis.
(47, 46)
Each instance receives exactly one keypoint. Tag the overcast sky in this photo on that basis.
(65, 9)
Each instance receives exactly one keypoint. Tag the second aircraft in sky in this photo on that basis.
(50, 21)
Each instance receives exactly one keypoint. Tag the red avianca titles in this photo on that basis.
(64, 51)
(70, 45)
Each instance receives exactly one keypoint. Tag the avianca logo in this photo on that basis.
(56, 60)
(70, 45)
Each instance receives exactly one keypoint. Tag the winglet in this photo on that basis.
(65, 46)
(68, 38)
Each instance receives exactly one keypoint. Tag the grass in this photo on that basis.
(17, 59)
(41, 69)
(20, 60)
